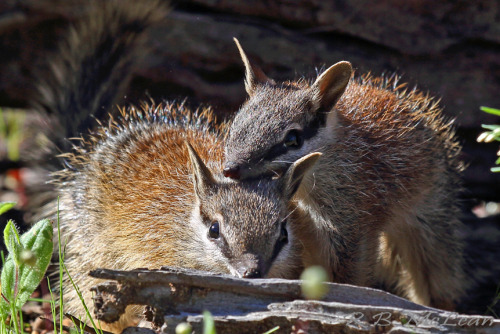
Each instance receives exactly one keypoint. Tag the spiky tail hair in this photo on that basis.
(93, 65)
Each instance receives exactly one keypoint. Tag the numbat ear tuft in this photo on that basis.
(253, 74)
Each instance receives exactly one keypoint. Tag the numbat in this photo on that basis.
(134, 193)
(138, 196)
(382, 196)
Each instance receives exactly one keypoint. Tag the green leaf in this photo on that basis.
(490, 127)
(208, 323)
(11, 240)
(272, 330)
(37, 240)
(495, 169)
(6, 206)
(491, 110)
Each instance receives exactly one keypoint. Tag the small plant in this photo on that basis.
(79, 325)
(492, 134)
(11, 132)
(208, 323)
(272, 330)
(6, 206)
(24, 268)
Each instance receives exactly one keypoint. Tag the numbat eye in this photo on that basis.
(213, 230)
(293, 139)
(283, 233)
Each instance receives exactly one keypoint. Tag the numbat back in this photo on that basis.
(383, 195)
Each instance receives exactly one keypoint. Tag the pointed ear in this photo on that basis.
(202, 177)
(253, 74)
(296, 172)
(332, 83)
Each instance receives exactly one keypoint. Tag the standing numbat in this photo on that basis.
(383, 195)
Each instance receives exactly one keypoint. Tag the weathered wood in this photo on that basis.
(262, 288)
(325, 317)
(251, 306)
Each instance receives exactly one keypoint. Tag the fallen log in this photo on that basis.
(174, 295)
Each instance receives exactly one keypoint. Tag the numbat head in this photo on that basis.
(297, 121)
(244, 226)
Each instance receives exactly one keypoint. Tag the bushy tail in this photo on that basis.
(84, 78)
(92, 67)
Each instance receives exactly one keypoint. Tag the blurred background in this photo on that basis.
(450, 48)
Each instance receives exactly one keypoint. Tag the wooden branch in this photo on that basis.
(255, 306)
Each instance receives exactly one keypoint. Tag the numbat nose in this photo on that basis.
(252, 273)
(232, 171)
(248, 266)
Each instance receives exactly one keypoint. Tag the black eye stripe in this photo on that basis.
(319, 120)
(282, 241)
(275, 151)
(309, 131)
(280, 149)
(283, 233)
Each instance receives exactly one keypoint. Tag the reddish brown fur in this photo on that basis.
(128, 201)
(383, 197)
(128, 198)
(408, 155)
